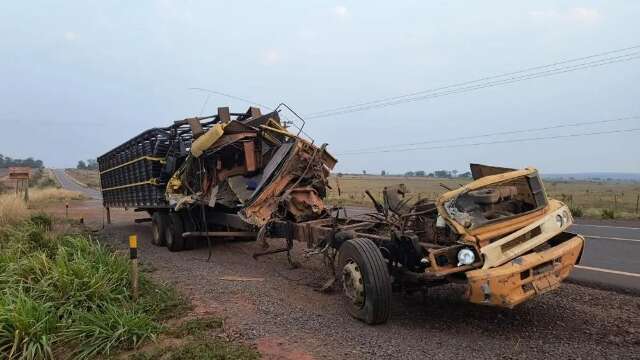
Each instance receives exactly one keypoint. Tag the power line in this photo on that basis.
(248, 101)
(477, 87)
(509, 132)
(499, 141)
(479, 80)
(482, 82)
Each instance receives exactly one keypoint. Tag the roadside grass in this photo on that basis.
(587, 198)
(67, 296)
(14, 210)
(90, 178)
(51, 194)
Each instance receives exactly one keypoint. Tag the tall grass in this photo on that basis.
(67, 296)
(53, 194)
(12, 209)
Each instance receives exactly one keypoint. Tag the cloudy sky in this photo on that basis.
(79, 77)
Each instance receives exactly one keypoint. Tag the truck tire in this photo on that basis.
(159, 224)
(173, 233)
(189, 226)
(365, 281)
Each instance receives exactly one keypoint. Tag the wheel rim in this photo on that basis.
(353, 283)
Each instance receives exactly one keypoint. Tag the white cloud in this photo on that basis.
(543, 13)
(70, 36)
(578, 14)
(584, 15)
(271, 57)
(341, 11)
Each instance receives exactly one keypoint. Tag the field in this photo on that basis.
(90, 178)
(586, 198)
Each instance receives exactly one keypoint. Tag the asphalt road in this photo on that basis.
(611, 256)
(68, 183)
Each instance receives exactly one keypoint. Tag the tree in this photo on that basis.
(409, 173)
(454, 172)
(420, 173)
(6, 161)
(81, 165)
(364, 172)
(466, 175)
(383, 173)
(92, 164)
(442, 174)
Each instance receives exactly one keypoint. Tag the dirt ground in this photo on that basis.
(278, 309)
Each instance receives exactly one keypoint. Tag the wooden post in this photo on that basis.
(637, 202)
(108, 215)
(26, 192)
(133, 255)
(66, 210)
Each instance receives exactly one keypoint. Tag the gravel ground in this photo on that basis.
(283, 315)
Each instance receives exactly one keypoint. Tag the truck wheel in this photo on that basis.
(173, 233)
(365, 281)
(189, 226)
(159, 224)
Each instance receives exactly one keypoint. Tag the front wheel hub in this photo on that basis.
(352, 283)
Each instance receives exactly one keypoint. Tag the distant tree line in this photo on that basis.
(6, 162)
(90, 164)
(444, 174)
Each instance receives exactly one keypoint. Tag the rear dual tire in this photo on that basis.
(159, 225)
(173, 233)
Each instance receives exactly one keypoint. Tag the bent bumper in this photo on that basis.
(526, 276)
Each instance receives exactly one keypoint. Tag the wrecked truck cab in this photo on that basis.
(515, 238)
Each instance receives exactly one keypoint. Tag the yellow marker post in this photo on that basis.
(133, 255)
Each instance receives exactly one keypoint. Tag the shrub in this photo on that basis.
(576, 211)
(61, 292)
(112, 328)
(607, 214)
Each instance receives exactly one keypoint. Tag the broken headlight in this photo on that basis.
(559, 220)
(466, 257)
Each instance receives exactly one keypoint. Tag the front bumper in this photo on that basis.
(526, 276)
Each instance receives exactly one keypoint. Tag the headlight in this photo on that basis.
(466, 257)
(559, 220)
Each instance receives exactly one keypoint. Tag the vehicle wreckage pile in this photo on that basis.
(246, 175)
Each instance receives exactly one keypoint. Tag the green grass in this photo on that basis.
(196, 327)
(67, 296)
(212, 350)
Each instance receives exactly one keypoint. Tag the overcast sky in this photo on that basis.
(79, 77)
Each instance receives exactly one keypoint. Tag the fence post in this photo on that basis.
(637, 202)
(133, 255)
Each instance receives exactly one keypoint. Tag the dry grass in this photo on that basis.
(12, 210)
(48, 195)
(590, 197)
(91, 178)
(352, 187)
